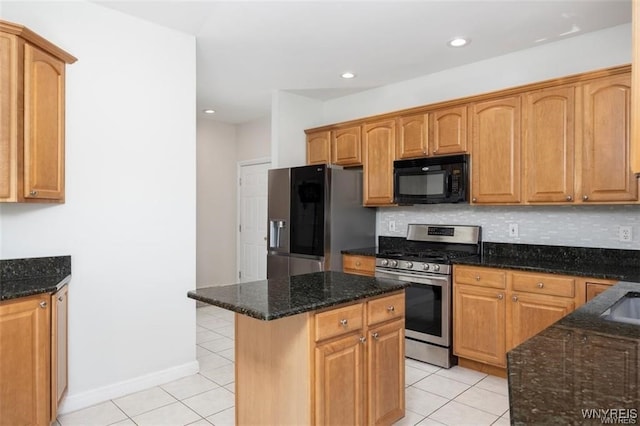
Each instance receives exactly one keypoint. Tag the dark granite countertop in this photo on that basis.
(582, 362)
(277, 298)
(26, 277)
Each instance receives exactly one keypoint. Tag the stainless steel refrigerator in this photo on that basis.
(314, 213)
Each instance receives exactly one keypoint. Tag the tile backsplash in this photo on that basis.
(580, 226)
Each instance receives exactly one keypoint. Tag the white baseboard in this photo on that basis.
(78, 401)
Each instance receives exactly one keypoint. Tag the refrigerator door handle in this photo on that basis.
(275, 233)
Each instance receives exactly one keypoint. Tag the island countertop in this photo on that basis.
(281, 297)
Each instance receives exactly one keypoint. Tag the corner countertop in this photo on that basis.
(281, 297)
(30, 276)
(582, 362)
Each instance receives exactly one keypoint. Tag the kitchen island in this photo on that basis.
(320, 348)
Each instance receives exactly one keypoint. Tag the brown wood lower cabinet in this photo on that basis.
(359, 265)
(28, 367)
(494, 310)
(341, 365)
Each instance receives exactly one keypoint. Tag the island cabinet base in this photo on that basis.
(340, 365)
(272, 359)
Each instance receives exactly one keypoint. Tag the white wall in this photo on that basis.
(253, 139)
(130, 213)
(216, 212)
(588, 52)
(290, 115)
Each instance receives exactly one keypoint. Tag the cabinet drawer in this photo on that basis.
(544, 284)
(338, 321)
(362, 265)
(483, 277)
(385, 309)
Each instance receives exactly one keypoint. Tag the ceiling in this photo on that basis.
(247, 49)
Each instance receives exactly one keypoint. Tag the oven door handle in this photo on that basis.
(414, 278)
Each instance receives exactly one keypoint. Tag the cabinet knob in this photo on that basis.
(358, 263)
(343, 322)
(391, 308)
(375, 335)
(60, 299)
(363, 339)
(540, 284)
(569, 198)
(585, 197)
(474, 199)
(43, 304)
(514, 298)
(500, 296)
(33, 193)
(477, 277)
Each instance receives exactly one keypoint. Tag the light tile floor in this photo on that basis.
(434, 396)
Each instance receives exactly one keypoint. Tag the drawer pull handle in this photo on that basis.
(585, 197)
(358, 263)
(540, 284)
(343, 322)
(33, 193)
(375, 335)
(500, 296)
(477, 277)
(43, 304)
(363, 339)
(390, 308)
(514, 298)
(569, 198)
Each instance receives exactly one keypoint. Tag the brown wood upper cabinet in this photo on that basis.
(496, 151)
(346, 146)
(413, 136)
(549, 144)
(318, 147)
(635, 89)
(379, 153)
(606, 167)
(449, 130)
(32, 82)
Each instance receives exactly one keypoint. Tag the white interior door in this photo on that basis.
(252, 240)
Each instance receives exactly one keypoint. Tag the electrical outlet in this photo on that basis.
(513, 230)
(625, 234)
(392, 225)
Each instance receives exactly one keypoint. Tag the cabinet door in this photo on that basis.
(318, 148)
(529, 314)
(413, 136)
(479, 324)
(594, 289)
(606, 169)
(340, 386)
(8, 117)
(25, 349)
(379, 153)
(59, 364)
(450, 130)
(386, 373)
(496, 151)
(346, 148)
(635, 89)
(43, 125)
(549, 122)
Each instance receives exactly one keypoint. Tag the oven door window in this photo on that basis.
(424, 309)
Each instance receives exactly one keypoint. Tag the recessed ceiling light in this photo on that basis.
(458, 42)
(208, 111)
(348, 75)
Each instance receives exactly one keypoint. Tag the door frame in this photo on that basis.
(239, 166)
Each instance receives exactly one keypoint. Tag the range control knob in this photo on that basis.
(384, 262)
(436, 267)
(394, 263)
(409, 265)
(425, 267)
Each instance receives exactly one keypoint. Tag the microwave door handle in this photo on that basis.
(448, 184)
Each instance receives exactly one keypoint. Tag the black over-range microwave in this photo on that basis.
(431, 180)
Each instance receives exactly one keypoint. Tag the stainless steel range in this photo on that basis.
(424, 260)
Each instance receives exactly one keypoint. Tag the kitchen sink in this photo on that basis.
(627, 309)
